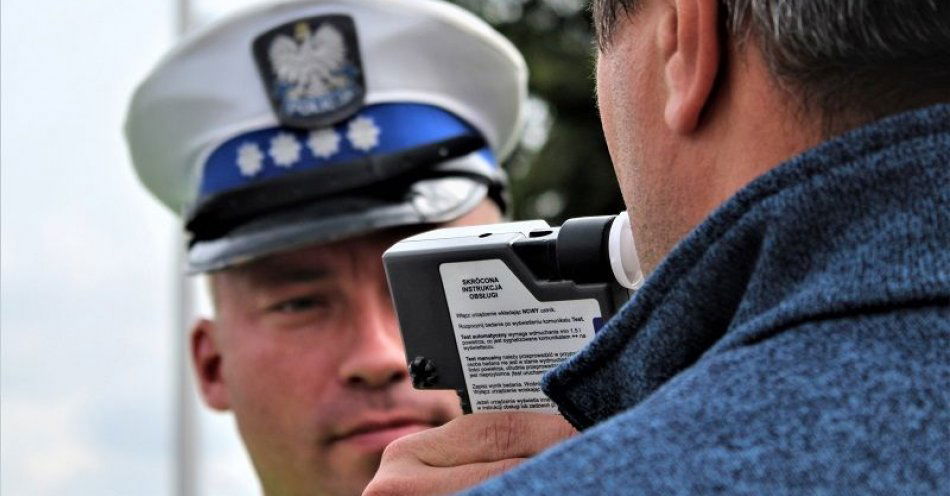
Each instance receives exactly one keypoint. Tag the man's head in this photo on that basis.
(699, 97)
(300, 140)
(306, 351)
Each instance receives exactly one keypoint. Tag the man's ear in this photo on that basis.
(207, 361)
(690, 44)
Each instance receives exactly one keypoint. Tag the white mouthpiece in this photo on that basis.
(623, 253)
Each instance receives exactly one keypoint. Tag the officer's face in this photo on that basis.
(306, 351)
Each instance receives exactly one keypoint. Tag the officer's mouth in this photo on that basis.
(376, 435)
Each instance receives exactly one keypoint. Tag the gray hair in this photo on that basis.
(850, 61)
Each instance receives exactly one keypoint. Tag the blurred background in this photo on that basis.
(89, 318)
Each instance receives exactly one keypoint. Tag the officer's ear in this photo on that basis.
(207, 361)
(689, 42)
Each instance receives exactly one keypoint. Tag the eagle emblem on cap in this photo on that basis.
(312, 71)
(312, 63)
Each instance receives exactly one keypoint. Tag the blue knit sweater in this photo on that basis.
(796, 342)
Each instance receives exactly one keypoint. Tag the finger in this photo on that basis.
(395, 479)
(486, 437)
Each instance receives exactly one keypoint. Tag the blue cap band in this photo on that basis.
(375, 130)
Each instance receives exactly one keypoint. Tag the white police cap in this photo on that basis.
(310, 121)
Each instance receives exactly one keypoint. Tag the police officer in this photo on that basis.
(298, 141)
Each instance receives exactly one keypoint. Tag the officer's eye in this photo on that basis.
(297, 305)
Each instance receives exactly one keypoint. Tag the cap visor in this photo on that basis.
(429, 201)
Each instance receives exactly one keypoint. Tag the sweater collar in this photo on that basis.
(859, 222)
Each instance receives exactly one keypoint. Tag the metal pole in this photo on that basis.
(186, 438)
(186, 422)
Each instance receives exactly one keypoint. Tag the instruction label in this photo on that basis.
(506, 338)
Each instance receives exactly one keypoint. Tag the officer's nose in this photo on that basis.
(376, 358)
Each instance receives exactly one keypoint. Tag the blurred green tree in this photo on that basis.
(562, 169)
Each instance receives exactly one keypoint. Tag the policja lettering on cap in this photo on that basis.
(312, 121)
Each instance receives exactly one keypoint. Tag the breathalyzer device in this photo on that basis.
(487, 310)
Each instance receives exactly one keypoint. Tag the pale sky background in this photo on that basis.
(86, 262)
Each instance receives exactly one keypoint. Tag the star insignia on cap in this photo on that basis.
(249, 159)
(363, 133)
(324, 143)
(284, 149)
